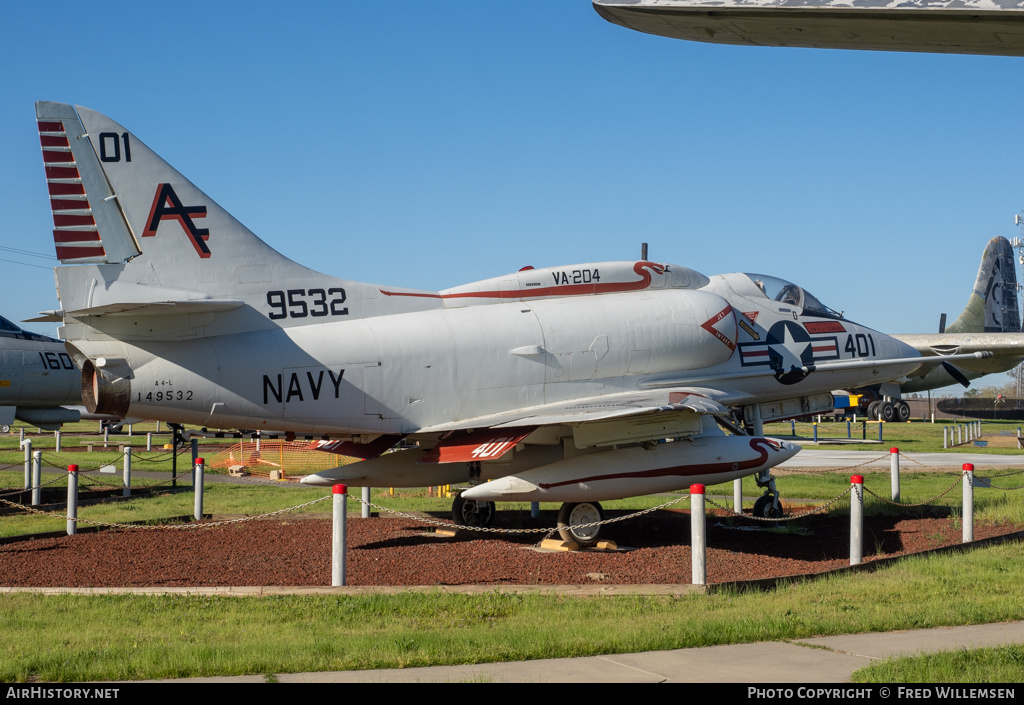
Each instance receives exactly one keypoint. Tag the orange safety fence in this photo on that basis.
(288, 459)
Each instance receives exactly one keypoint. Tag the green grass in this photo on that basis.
(1004, 664)
(82, 638)
(909, 437)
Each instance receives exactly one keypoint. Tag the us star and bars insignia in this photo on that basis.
(787, 349)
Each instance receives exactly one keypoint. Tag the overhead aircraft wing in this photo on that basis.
(1007, 349)
(992, 27)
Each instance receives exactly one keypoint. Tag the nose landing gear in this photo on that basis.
(768, 505)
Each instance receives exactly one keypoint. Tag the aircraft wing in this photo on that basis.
(1007, 349)
(692, 401)
(991, 27)
(631, 417)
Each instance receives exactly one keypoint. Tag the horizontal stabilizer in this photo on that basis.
(160, 308)
(1007, 349)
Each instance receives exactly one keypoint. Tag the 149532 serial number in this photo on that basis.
(169, 395)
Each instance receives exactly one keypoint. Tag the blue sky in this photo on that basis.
(433, 144)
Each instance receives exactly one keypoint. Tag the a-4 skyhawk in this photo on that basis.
(571, 384)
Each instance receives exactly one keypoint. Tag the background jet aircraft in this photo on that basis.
(990, 321)
(37, 378)
(994, 27)
(571, 384)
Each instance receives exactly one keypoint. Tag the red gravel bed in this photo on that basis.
(387, 551)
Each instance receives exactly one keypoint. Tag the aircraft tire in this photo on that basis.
(873, 410)
(573, 514)
(469, 512)
(5, 429)
(768, 507)
(902, 411)
(886, 412)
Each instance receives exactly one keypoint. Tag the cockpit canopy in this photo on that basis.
(785, 292)
(12, 330)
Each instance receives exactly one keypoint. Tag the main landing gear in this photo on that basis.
(471, 512)
(889, 410)
(579, 522)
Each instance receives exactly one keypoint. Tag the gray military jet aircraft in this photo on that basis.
(990, 321)
(39, 384)
(571, 384)
(37, 380)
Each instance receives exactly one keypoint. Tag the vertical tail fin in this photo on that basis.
(992, 306)
(137, 232)
(114, 199)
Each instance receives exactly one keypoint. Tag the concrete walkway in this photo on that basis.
(830, 659)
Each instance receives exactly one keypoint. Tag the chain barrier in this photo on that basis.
(152, 459)
(31, 489)
(451, 525)
(829, 471)
(493, 530)
(153, 527)
(791, 517)
(919, 504)
(912, 460)
(1005, 474)
(81, 477)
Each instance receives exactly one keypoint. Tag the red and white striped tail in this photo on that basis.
(74, 228)
(86, 216)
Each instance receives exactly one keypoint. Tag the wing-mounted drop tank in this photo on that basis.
(639, 470)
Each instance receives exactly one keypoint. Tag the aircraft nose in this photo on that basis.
(787, 449)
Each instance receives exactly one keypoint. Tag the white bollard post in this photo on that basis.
(56, 435)
(27, 445)
(894, 472)
(106, 436)
(857, 520)
(72, 500)
(126, 480)
(737, 495)
(698, 536)
(945, 437)
(149, 442)
(968, 511)
(197, 486)
(37, 478)
(366, 503)
(338, 536)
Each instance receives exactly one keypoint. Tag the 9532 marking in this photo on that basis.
(300, 303)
